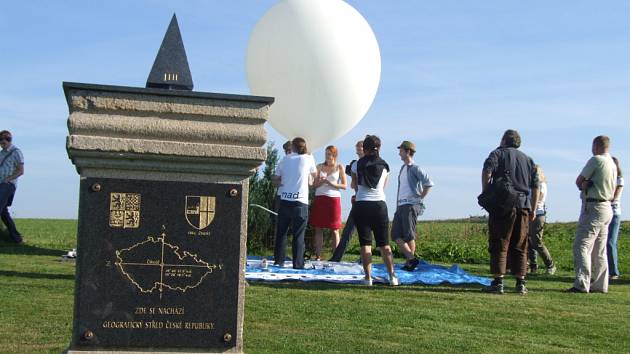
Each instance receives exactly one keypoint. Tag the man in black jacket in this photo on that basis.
(508, 231)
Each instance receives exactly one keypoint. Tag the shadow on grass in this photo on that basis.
(297, 285)
(26, 249)
(552, 278)
(30, 275)
(620, 282)
(569, 279)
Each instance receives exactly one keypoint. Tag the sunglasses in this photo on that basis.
(4, 138)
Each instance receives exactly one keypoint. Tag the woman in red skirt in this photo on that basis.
(326, 209)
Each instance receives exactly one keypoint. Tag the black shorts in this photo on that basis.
(371, 217)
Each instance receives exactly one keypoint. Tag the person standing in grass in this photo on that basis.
(413, 186)
(326, 208)
(11, 167)
(293, 175)
(536, 228)
(613, 228)
(370, 209)
(349, 227)
(508, 233)
(597, 183)
(286, 147)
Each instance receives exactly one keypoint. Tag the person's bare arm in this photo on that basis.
(581, 182)
(316, 179)
(342, 184)
(19, 170)
(534, 201)
(618, 191)
(312, 178)
(276, 181)
(425, 191)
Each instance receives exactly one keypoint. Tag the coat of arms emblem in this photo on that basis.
(200, 211)
(124, 210)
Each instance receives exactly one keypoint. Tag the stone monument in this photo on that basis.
(162, 211)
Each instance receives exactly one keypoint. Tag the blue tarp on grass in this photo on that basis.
(346, 272)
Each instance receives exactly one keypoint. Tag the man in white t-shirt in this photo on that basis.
(413, 186)
(293, 176)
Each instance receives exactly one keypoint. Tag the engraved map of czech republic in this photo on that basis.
(155, 265)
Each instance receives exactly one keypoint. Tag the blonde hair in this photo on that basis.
(541, 174)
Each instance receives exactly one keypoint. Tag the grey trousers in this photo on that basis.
(589, 247)
(536, 244)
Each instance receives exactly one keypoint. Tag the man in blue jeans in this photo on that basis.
(11, 167)
(293, 176)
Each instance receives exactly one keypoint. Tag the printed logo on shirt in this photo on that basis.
(289, 195)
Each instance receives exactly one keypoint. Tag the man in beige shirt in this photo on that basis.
(597, 185)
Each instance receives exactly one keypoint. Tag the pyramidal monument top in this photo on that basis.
(170, 69)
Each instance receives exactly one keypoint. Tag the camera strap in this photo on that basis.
(7, 156)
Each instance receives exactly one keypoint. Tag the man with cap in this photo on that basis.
(11, 167)
(413, 186)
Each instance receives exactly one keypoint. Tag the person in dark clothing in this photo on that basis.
(349, 226)
(369, 176)
(508, 233)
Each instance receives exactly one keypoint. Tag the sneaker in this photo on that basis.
(551, 270)
(533, 269)
(521, 288)
(614, 277)
(394, 281)
(17, 239)
(496, 287)
(410, 265)
(366, 281)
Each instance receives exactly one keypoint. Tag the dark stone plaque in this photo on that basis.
(157, 265)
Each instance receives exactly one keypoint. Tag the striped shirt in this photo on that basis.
(11, 163)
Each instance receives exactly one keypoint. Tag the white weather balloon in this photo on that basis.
(321, 61)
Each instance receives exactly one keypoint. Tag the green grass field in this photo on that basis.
(36, 289)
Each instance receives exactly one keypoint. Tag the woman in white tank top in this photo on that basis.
(370, 210)
(326, 208)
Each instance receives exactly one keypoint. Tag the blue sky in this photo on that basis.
(455, 75)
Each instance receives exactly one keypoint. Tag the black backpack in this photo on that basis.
(500, 196)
